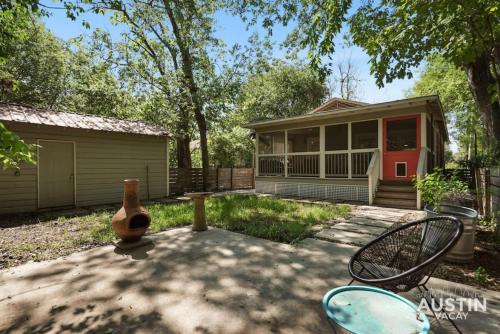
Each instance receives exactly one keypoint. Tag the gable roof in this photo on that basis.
(30, 115)
(337, 104)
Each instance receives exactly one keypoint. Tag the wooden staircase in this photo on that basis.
(396, 194)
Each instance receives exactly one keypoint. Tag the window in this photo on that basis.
(303, 140)
(272, 143)
(402, 135)
(336, 137)
(364, 135)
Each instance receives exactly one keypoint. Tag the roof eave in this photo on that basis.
(338, 113)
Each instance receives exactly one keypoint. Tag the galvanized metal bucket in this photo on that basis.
(463, 251)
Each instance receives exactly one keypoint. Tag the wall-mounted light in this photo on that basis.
(17, 172)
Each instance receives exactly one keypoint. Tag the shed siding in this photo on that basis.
(103, 161)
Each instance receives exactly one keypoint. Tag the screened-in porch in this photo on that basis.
(340, 151)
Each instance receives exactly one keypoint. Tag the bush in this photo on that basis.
(435, 187)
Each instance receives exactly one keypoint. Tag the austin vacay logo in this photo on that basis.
(455, 304)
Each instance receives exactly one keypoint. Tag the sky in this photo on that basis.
(232, 30)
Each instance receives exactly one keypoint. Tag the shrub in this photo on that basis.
(435, 187)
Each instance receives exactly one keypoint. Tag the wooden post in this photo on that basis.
(217, 179)
(487, 195)
(253, 178)
(231, 178)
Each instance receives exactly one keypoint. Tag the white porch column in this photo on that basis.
(322, 151)
(381, 146)
(285, 164)
(349, 147)
(256, 154)
(168, 166)
(423, 129)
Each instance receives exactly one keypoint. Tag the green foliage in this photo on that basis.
(282, 91)
(37, 67)
(13, 150)
(46, 72)
(443, 78)
(435, 187)
(481, 275)
(232, 148)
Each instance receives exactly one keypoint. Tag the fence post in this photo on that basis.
(487, 196)
(253, 178)
(217, 179)
(232, 178)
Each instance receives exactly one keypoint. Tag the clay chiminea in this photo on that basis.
(132, 220)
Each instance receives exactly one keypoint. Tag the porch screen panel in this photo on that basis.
(364, 135)
(271, 149)
(336, 146)
(303, 140)
(272, 143)
(336, 137)
(303, 152)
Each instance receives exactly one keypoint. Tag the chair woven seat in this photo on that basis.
(401, 259)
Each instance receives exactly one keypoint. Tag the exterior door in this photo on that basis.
(401, 143)
(56, 179)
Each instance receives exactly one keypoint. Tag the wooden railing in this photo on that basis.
(303, 165)
(373, 173)
(272, 165)
(360, 162)
(337, 164)
(421, 170)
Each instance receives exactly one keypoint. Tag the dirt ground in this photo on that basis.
(25, 238)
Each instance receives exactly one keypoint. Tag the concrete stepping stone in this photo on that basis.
(371, 222)
(358, 228)
(344, 237)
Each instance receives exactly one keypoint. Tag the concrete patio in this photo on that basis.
(210, 282)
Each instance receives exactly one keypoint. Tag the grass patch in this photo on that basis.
(263, 217)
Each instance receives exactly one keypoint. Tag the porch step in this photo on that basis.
(396, 203)
(397, 194)
(395, 188)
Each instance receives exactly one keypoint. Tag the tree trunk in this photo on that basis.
(183, 152)
(480, 83)
(194, 99)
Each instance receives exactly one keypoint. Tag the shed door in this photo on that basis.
(56, 183)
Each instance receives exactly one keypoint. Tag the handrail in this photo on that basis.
(373, 173)
(421, 169)
(421, 162)
(373, 161)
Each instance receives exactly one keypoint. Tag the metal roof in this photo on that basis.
(30, 115)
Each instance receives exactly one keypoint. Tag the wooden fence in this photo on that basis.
(184, 180)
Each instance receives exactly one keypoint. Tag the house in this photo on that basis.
(352, 151)
(82, 159)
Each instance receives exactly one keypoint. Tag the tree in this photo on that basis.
(344, 80)
(282, 91)
(450, 83)
(399, 34)
(13, 150)
(167, 43)
(35, 67)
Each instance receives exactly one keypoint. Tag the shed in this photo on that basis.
(82, 159)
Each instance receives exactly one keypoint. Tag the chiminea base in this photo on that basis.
(128, 245)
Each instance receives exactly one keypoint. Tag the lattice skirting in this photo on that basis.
(334, 192)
